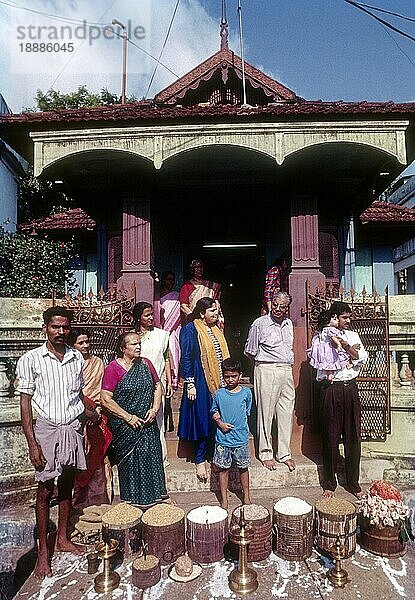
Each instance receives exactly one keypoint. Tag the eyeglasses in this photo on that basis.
(279, 306)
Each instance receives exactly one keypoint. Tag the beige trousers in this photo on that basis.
(275, 395)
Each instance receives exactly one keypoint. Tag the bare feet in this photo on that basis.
(224, 504)
(359, 495)
(270, 464)
(201, 472)
(42, 567)
(170, 501)
(68, 546)
(328, 494)
(290, 464)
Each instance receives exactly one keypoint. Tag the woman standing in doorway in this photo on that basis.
(195, 288)
(203, 348)
(170, 320)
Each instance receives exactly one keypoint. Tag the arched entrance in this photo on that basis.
(224, 205)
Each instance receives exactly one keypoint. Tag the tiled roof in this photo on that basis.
(385, 212)
(149, 111)
(223, 59)
(75, 218)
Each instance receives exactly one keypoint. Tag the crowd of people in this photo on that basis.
(83, 407)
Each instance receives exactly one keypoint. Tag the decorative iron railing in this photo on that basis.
(370, 320)
(104, 316)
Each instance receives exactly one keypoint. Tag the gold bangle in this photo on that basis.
(130, 419)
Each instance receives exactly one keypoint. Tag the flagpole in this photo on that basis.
(242, 52)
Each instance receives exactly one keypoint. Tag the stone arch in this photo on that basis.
(66, 156)
(206, 142)
(397, 153)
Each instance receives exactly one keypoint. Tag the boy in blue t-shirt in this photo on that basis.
(230, 409)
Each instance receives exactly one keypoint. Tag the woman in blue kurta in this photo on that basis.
(203, 347)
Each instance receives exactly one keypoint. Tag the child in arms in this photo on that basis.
(327, 352)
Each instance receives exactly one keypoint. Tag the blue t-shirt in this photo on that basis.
(234, 408)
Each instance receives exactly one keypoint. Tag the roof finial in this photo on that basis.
(224, 28)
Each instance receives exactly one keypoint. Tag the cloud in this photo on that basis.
(35, 52)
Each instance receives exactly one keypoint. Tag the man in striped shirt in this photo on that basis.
(50, 379)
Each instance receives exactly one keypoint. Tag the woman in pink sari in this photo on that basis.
(196, 288)
(170, 320)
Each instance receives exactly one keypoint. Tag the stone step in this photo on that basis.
(177, 448)
(180, 475)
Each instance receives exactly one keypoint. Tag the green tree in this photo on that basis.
(32, 267)
(82, 98)
(38, 198)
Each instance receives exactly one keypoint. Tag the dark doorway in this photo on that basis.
(240, 271)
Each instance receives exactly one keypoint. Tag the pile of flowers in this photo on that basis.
(383, 505)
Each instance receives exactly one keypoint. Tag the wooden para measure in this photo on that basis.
(383, 541)
(123, 523)
(207, 533)
(293, 532)
(163, 532)
(146, 571)
(260, 519)
(335, 517)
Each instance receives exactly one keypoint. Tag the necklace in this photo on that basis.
(126, 364)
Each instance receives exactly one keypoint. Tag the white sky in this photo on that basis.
(321, 49)
(97, 63)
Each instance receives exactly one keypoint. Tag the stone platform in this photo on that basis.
(371, 577)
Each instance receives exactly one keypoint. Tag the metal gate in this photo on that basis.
(104, 316)
(370, 320)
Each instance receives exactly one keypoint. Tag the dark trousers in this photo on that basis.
(340, 418)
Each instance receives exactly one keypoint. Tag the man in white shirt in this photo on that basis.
(50, 378)
(270, 345)
(340, 414)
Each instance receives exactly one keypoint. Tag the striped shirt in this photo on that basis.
(55, 386)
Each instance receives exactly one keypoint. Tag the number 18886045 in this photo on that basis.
(46, 47)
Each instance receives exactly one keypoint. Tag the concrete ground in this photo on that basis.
(371, 577)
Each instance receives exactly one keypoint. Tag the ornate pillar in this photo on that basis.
(305, 265)
(136, 248)
(305, 260)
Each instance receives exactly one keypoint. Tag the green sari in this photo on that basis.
(138, 451)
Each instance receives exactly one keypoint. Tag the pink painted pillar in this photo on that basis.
(305, 265)
(136, 248)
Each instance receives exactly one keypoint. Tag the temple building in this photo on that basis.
(198, 172)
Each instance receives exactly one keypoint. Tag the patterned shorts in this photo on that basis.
(224, 455)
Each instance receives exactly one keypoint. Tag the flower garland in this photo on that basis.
(383, 505)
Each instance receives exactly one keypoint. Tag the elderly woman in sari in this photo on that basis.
(131, 393)
(155, 347)
(203, 349)
(195, 288)
(93, 486)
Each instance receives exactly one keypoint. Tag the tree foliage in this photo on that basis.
(82, 98)
(38, 198)
(32, 267)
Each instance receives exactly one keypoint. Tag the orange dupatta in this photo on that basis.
(210, 364)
